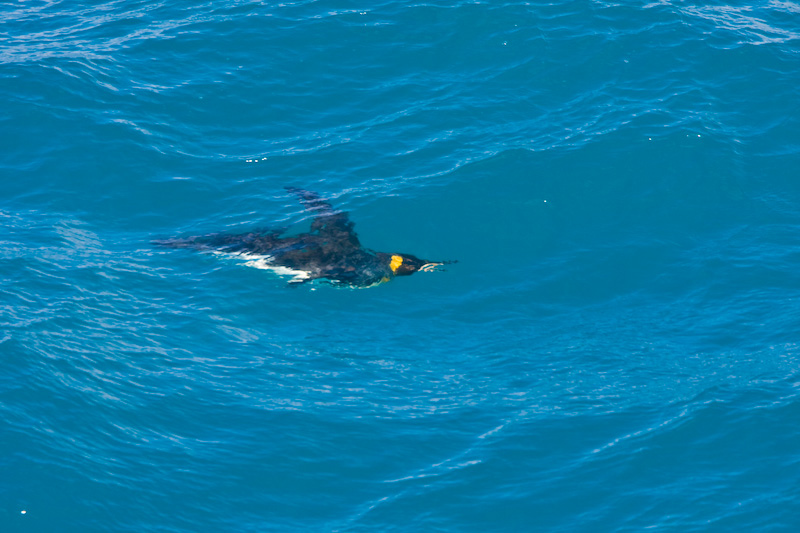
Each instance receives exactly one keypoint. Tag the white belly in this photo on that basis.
(264, 262)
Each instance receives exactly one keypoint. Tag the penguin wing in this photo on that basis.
(253, 242)
(334, 226)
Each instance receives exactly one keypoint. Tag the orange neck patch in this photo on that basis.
(396, 262)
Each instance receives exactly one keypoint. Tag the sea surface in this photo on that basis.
(616, 350)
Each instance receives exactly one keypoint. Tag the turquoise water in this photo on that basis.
(616, 349)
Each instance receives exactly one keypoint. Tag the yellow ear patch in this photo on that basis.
(396, 262)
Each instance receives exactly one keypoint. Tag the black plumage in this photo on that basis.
(330, 251)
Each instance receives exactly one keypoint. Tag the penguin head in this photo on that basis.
(407, 264)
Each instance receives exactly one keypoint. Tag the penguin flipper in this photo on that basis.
(256, 242)
(312, 201)
(328, 222)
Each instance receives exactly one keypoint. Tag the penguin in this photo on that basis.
(330, 252)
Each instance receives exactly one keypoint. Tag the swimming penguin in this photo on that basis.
(330, 251)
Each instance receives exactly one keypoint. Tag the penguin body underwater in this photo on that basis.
(331, 251)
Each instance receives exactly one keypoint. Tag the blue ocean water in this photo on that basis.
(616, 349)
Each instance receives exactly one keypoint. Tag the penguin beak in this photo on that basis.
(433, 267)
